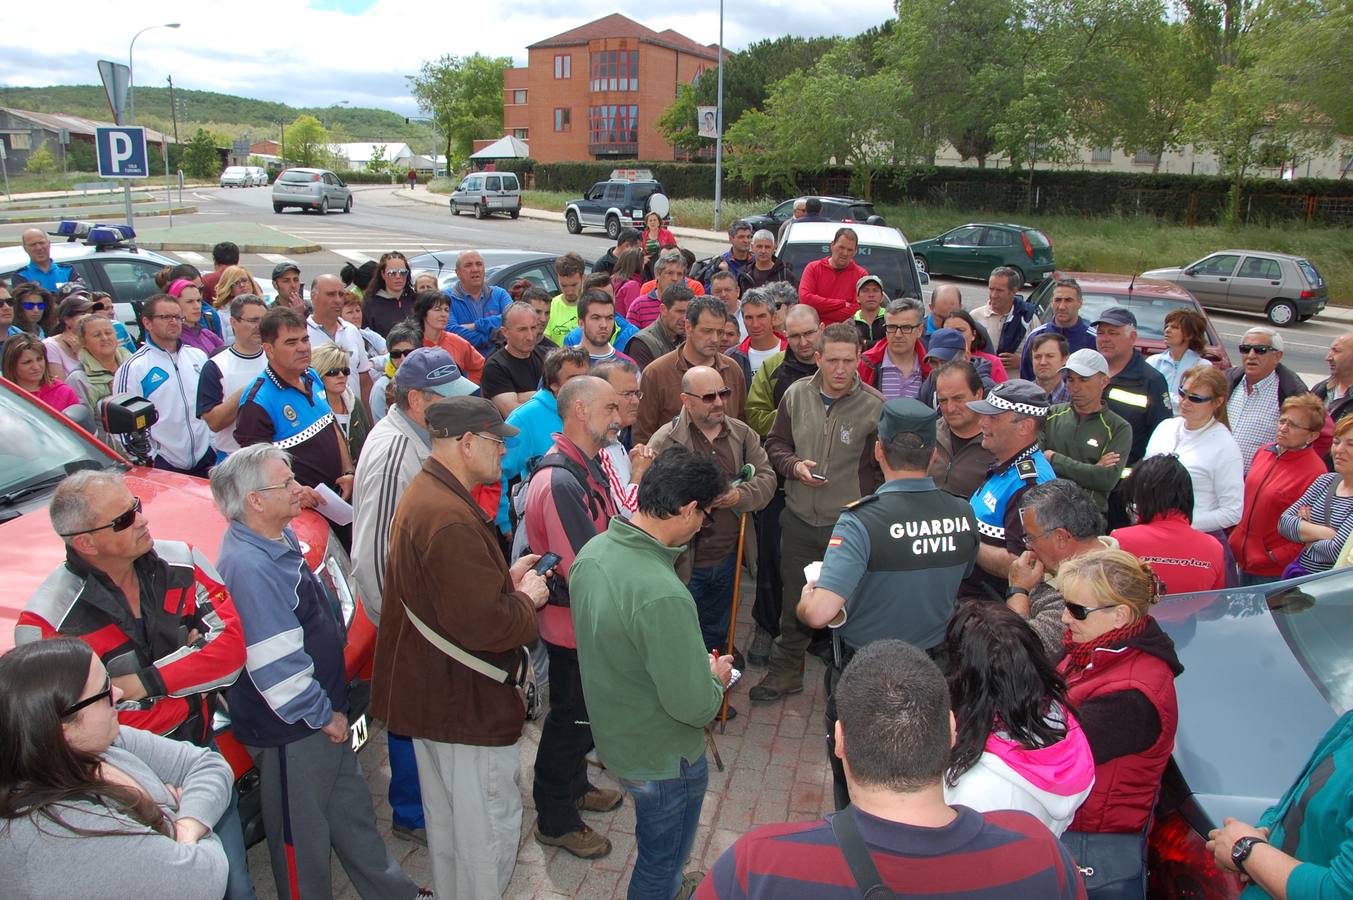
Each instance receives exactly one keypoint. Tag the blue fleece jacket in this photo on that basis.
(538, 420)
(484, 312)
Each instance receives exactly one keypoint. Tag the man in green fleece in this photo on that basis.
(1084, 440)
(649, 683)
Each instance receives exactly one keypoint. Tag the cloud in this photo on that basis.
(320, 52)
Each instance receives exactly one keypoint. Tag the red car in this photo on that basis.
(1149, 299)
(39, 447)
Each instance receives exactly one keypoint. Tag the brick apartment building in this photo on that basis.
(597, 91)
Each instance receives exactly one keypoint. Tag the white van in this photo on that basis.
(487, 192)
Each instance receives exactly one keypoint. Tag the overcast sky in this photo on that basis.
(320, 52)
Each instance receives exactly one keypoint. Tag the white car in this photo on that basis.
(884, 251)
(237, 176)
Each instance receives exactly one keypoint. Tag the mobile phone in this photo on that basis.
(546, 562)
(817, 477)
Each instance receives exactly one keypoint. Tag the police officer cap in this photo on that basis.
(902, 416)
(1015, 395)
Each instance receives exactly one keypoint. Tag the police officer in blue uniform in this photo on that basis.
(895, 559)
(1012, 417)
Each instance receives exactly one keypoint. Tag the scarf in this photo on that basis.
(1078, 656)
(100, 379)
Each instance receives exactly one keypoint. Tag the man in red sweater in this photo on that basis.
(828, 285)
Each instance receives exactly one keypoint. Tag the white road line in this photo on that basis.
(275, 258)
(353, 255)
(196, 259)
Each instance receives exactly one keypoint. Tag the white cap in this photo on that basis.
(1087, 362)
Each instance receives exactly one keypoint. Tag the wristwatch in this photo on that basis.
(1241, 850)
(1012, 591)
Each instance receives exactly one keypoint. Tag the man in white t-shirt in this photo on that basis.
(326, 326)
(230, 371)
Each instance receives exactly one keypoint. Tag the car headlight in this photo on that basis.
(335, 571)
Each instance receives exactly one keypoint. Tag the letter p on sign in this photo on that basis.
(122, 152)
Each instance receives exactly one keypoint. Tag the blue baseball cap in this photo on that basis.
(433, 369)
(945, 344)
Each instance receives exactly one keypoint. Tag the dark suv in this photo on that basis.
(613, 205)
(834, 209)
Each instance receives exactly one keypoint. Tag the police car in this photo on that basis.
(105, 259)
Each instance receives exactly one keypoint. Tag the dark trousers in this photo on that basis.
(800, 544)
(769, 586)
(201, 468)
(565, 739)
(712, 589)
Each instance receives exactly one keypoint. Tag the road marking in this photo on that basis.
(275, 258)
(353, 255)
(196, 259)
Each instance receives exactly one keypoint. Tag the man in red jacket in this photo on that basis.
(828, 285)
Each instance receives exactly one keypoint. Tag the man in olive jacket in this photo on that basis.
(446, 585)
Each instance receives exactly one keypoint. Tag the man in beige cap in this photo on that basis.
(449, 594)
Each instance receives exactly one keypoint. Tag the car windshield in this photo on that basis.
(1150, 311)
(1313, 617)
(892, 264)
(37, 449)
(297, 176)
(1309, 272)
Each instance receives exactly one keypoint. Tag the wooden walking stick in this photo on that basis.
(733, 619)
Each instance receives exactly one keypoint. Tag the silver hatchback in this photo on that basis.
(316, 189)
(1285, 288)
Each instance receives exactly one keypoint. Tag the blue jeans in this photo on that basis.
(712, 588)
(406, 798)
(1249, 580)
(666, 814)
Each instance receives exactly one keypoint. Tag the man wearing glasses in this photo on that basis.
(894, 365)
(156, 612)
(1259, 385)
(166, 372)
(231, 370)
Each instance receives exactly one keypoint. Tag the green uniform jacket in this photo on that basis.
(1078, 443)
(645, 672)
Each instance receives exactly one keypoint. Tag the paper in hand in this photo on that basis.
(333, 507)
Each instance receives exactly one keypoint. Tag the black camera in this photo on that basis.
(130, 416)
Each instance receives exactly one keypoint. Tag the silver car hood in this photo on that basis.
(1167, 274)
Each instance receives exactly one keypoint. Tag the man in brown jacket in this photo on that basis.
(961, 464)
(705, 317)
(447, 584)
(704, 427)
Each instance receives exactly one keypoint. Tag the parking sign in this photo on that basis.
(122, 152)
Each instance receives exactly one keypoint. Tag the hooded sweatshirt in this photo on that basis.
(1048, 782)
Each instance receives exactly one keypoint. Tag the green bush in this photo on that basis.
(40, 161)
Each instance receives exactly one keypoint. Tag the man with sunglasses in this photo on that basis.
(1259, 385)
(326, 325)
(41, 269)
(156, 612)
(230, 370)
(704, 427)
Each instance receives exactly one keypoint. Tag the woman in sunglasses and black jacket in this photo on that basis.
(1119, 669)
(388, 298)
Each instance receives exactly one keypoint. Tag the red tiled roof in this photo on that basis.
(617, 26)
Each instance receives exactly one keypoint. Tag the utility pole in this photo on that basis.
(718, 136)
(173, 110)
(282, 150)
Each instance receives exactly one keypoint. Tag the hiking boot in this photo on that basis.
(689, 882)
(759, 654)
(600, 800)
(773, 687)
(583, 843)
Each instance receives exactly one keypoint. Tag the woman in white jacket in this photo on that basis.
(1201, 438)
(1017, 744)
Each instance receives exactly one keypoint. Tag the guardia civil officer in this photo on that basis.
(895, 558)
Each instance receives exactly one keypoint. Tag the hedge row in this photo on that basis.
(1195, 199)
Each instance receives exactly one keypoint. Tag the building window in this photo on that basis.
(1101, 154)
(520, 133)
(562, 119)
(563, 65)
(1146, 158)
(21, 140)
(615, 70)
(612, 124)
(519, 98)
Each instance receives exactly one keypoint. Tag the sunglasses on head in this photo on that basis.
(1194, 398)
(345, 371)
(723, 394)
(1081, 613)
(1261, 349)
(105, 694)
(121, 523)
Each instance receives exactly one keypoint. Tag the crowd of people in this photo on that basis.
(968, 515)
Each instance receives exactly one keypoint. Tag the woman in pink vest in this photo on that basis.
(1119, 669)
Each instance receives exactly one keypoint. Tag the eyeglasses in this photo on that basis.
(1029, 539)
(101, 307)
(1285, 422)
(900, 329)
(400, 354)
(723, 394)
(285, 485)
(170, 317)
(632, 395)
(396, 273)
(121, 523)
(803, 335)
(1194, 398)
(105, 694)
(345, 371)
(253, 321)
(1261, 349)
(1081, 613)
(489, 437)
(31, 306)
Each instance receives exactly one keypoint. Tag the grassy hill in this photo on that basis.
(226, 116)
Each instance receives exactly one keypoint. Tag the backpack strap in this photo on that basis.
(847, 833)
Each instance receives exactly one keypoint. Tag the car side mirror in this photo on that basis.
(939, 241)
(924, 278)
(875, 220)
(1190, 270)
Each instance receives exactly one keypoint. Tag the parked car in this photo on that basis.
(39, 447)
(487, 192)
(501, 268)
(316, 189)
(835, 209)
(237, 176)
(1150, 300)
(106, 259)
(1283, 287)
(973, 250)
(258, 175)
(618, 203)
(883, 252)
(1245, 732)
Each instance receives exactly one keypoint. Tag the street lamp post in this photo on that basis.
(131, 80)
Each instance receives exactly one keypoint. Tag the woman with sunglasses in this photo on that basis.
(63, 345)
(1201, 438)
(31, 304)
(1158, 496)
(100, 356)
(388, 299)
(7, 311)
(331, 362)
(962, 321)
(1119, 669)
(431, 313)
(402, 340)
(1322, 518)
(91, 809)
(1017, 744)
(25, 364)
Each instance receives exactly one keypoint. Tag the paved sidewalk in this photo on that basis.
(775, 770)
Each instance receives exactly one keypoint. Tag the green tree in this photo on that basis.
(464, 96)
(307, 142)
(378, 164)
(749, 75)
(200, 159)
(40, 161)
(677, 123)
